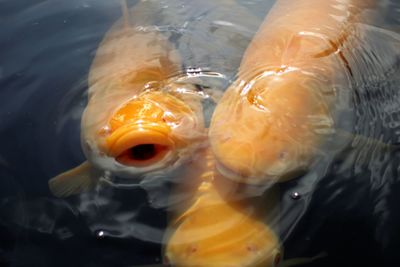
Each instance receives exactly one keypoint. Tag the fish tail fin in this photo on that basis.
(76, 180)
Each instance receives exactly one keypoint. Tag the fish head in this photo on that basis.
(151, 131)
(139, 134)
(268, 127)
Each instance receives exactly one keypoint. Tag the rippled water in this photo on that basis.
(345, 205)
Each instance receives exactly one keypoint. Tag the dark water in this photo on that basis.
(347, 207)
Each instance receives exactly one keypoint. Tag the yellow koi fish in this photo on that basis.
(214, 229)
(213, 225)
(135, 121)
(272, 120)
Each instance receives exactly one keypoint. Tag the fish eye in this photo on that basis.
(143, 155)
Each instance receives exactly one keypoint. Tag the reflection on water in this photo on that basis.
(346, 204)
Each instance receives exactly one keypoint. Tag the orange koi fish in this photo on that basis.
(272, 120)
(136, 121)
(214, 230)
(214, 225)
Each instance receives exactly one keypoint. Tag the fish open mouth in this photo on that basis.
(142, 155)
(140, 145)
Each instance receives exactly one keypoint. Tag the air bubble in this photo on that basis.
(100, 234)
(295, 195)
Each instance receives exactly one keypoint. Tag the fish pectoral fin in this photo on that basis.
(74, 181)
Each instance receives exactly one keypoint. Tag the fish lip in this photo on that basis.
(135, 134)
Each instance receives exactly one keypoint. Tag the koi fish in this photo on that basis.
(215, 230)
(135, 121)
(215, 226)
(280, 109)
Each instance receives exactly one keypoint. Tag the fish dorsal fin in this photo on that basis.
(74, 181)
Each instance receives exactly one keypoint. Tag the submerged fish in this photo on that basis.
(281, 108)
(217, 226)
(214, 229)
(136, 120)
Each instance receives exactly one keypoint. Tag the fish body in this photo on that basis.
(280, 109)
(212, 229)
(136, 120)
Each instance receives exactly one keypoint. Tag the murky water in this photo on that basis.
(345, 205)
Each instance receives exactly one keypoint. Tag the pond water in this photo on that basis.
(346, 207)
